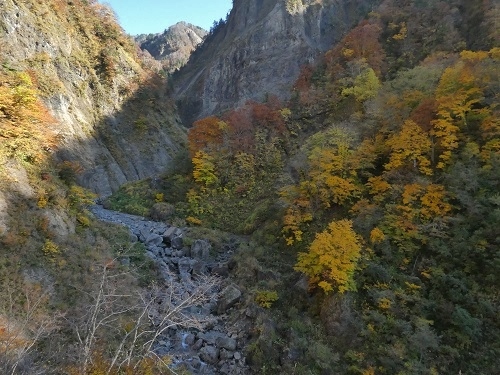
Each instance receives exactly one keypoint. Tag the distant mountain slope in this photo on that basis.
(260, 50)
(174, 46)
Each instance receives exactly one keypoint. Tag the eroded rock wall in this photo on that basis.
(114, 116)
(260, 50)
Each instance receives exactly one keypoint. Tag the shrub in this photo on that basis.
(265, 298)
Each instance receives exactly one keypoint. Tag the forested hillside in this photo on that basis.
(363, 212)
(66, 69)
(378, 181)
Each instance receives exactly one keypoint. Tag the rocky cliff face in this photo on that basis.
(114, 118)
(260, 50)
(174, 46)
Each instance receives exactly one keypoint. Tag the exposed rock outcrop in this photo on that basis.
(260, 50)
(114, 118)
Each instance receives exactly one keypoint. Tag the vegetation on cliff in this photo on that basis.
(56, 263)
(370, 198)
(389, 199)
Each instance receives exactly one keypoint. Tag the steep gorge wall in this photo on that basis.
(260, 50)
(114, 115)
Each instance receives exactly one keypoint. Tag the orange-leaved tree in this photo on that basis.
(26, 130)
(457, 95)
(205, 132)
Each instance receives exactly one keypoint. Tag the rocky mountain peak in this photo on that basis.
(174, 46)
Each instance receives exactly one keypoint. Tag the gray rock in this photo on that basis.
(185, 277)
(302, 284)
(226, 343)
(201, 249)
(177, 243)
(198, 344)
(211, 337)
(237, 356)
(199, 267)
(155, 250)
(209, 354)
(209, 308)
(252, 311)
(143, 234)
(186, 251)
(190, 339)
(171, 233)
(225, 369)
(229, 296)
(149, 254)
(153, 239)
(221, 270)
(225, 354)
(185, 265)
(162, 351)
(196, 363)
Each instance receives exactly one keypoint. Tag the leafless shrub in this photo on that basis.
(137, 321)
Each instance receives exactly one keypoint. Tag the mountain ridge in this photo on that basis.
(174, 46)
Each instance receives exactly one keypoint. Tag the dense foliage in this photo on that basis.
(378, 182)
(391, 153)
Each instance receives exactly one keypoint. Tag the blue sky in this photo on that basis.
(154, 16)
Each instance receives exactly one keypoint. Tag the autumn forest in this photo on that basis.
(366, 206)
(390, 199)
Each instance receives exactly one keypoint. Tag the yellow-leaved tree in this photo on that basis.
(332, 257)
(204, 169)
(411, 145)
(457, 95)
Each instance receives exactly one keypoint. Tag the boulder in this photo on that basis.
(225, 354)
(177, 243)
(153, 239)
(229, 296)
(201, 250)
(209, 354)
(171, 233)
(198, 344)
(185, 277)
(211, 337)
(155, 250)
(221, 270)
(226, 343)
(199, 267)
(185, 265)
(189, 339)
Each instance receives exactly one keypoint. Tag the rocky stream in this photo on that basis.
(208, 344)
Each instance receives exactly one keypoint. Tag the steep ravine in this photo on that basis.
(216, 346)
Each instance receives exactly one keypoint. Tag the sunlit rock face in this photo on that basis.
(259, 51)
(114, 116)
(173, 47)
